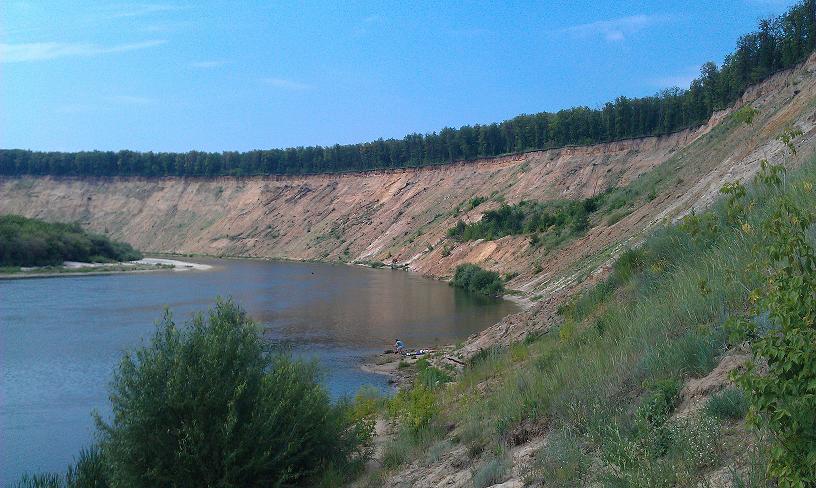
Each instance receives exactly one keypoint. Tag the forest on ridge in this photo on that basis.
(778, 43)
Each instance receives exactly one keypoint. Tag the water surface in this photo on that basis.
(60, 338)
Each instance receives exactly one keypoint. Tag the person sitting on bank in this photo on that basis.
(399, 347)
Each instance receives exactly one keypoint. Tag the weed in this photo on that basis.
(510, 276)
(729, 404)
(561, 463)
(492, 472)
(659, 403)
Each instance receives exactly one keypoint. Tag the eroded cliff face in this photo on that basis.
(386, 216)
(402, 216)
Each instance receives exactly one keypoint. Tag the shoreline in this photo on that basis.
(399, 369)
(385, 363)
(71, 269)
(519, 297)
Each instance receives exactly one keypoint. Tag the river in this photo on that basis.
(60, 338)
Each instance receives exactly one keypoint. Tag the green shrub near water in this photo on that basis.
(475, 279)
(429, 376)
(33, 242)
(206, 405)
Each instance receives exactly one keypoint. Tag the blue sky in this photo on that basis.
(182, 75)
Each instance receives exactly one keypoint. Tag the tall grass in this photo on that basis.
(657, 320)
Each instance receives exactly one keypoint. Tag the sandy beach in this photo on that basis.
(77, 268)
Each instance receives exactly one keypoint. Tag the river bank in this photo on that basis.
(62, 339)
(76, 268)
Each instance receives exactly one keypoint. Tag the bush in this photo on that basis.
(561, 463)
(491, 472)
(528, 217)
(474, 279)
(674, 454)
(415, 408)
(729, 404)
(661, 401)
(476, 201)
(89, 471)
(205, 405)
(42, 480)
(432, 377)
(783, 398)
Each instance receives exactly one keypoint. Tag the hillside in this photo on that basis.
(401, 217)
(635, 371)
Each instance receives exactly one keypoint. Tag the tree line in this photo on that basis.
(33, 242)
(778, 43)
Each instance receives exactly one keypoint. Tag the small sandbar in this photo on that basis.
(177, 265)
(78, 268)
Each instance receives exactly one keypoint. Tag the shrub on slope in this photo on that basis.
(474, 279)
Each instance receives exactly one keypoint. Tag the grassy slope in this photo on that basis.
(602, 387)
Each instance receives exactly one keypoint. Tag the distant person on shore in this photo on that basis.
(399, 347)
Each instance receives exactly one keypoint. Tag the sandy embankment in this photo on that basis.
(78, 268)
(177, 265)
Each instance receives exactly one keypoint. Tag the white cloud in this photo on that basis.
(40, 51)
(614, 30)
(285, 84)
(207, 64)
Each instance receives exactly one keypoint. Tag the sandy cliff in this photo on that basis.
(402, 216)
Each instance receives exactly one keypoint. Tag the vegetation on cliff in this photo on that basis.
(731, 288)
(527, 217)
(778, 43)
(208, 405)
(33, 242)
(475, 279)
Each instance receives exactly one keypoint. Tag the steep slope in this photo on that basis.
(388, 216)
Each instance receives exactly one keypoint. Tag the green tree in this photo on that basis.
(206, 405)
